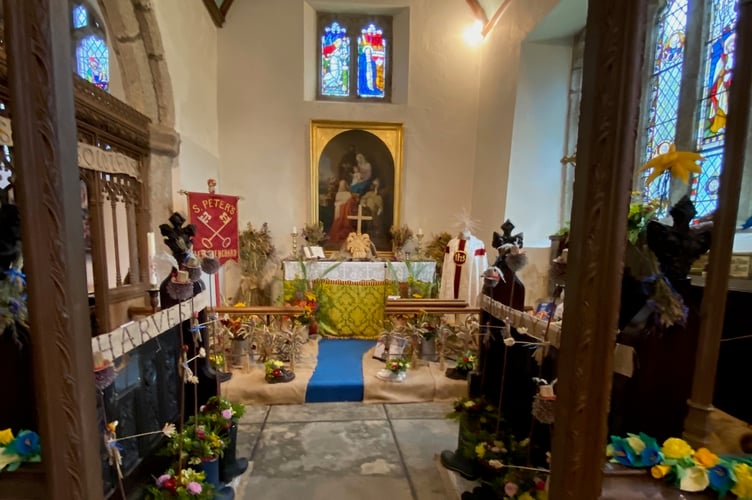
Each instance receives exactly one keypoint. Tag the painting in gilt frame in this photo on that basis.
(356, 164)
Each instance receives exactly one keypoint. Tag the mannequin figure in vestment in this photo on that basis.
(464, 262)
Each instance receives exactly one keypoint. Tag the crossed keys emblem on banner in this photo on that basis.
(208, 242)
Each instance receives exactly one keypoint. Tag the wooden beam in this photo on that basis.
(605, 161)
(491, 24)
(48, 195)
(713, 308)
(478, 11)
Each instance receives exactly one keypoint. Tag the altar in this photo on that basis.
(351, 295)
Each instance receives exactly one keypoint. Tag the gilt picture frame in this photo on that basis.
(356, 164)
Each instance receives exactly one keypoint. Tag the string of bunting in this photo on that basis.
(530, 325)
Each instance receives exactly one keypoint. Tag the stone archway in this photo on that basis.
(136, 40)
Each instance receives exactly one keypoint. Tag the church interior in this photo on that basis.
(455, 249)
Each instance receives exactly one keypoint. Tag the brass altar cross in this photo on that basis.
(360, 217)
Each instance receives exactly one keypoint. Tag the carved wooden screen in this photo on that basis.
(117, 202)
(114, 205)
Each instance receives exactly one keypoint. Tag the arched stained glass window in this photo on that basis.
(335, 61)
(354, 57)
(663, 90)
(90, 46)
(371, 62)
(714, 104)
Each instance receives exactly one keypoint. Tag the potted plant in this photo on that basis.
(222, 416)
(465, 364)
(188, 484)
(239, 333)
(428, 332)
(199, 445)
(395, 370)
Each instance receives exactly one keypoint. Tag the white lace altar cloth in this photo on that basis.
(360, 271)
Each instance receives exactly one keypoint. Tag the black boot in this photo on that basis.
(454, 461)
(229, 465)
(459, 461)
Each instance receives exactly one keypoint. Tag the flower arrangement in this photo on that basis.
(310, 304)
(477, 408)
(200, 443)
(400, 235)
(640, 213)
(219, 414)
(688, 469)
(314, 234)
(397, 365)
(466, 362)
(236, 329)
(189, 484)
(275, 371)
(19, 449)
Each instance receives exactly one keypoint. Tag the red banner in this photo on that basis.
(216, 219)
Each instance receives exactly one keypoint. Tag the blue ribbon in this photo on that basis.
(15, 273)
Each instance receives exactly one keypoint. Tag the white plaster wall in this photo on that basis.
(540, 121)
(265, 110)
(190, 42)
(500, 67)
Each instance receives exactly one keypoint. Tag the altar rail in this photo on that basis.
(541, 329)
(428, 306)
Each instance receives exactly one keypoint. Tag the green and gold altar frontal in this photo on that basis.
(347, 299)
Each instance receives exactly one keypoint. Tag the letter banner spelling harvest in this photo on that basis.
(216, 219)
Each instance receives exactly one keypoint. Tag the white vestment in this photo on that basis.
(464, 263)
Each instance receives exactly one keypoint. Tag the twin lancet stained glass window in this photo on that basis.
(354, 57)
(90, 48)
(663, 90)
(664, 87)
(714, 102)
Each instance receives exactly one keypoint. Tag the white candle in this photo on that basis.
(151, 244)
(294, 229)
(420, 231)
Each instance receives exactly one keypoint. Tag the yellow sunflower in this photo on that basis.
(679, 163)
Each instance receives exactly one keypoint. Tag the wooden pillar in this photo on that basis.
(48, 195)
(713, 306)
(610, 105)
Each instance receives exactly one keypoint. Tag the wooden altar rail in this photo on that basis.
(235, 311)
(425, 303)
(535, 327)
(431, 310)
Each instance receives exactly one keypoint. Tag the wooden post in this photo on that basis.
(605, 164)
(713, 308)
(48, 195)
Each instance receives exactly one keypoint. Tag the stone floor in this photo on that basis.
(332, 451)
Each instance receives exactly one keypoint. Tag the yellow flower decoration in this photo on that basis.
(6, 437)
(526, 496)
(660, 471)
(480, 450)
(706, 458)
(743, 486)
(676, 448)
(679, 163)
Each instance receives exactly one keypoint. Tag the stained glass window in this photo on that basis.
(371, 62)
(354, 57)
(91, 52)
(714, 104)
(335, 61)
(80, 16)
(663, 90)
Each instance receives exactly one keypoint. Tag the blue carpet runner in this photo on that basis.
(339, 371)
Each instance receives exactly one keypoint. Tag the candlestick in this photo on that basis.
(420, 231)
(151, 245)
(295, 230)
(294, 235)
(419, 237)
